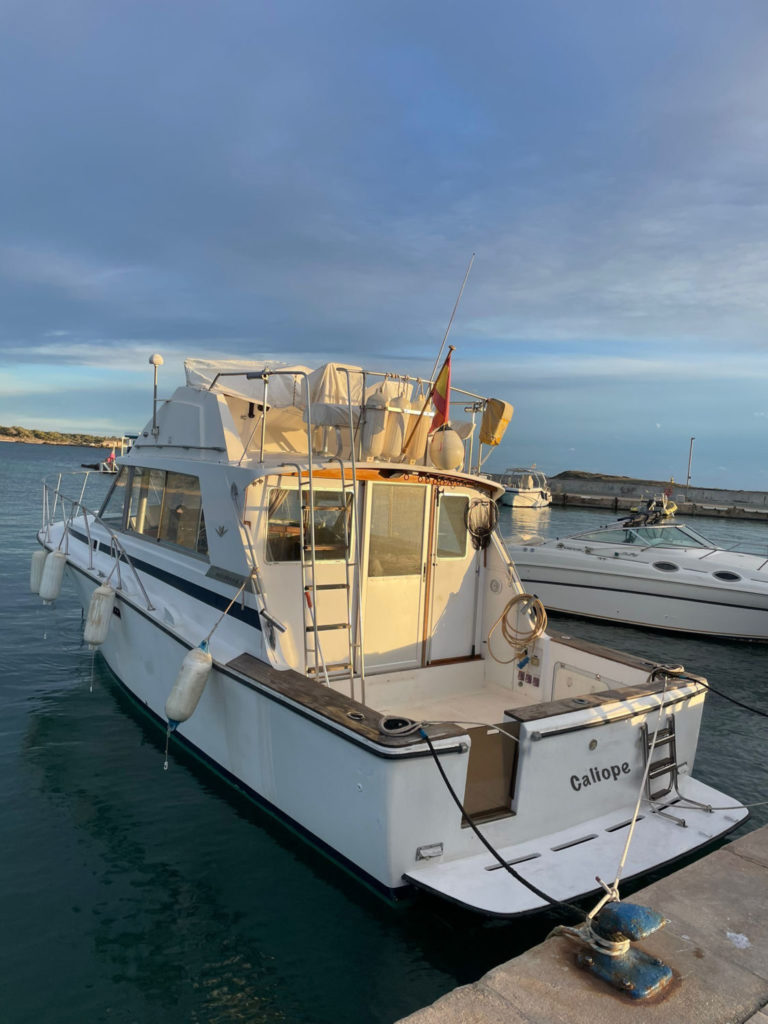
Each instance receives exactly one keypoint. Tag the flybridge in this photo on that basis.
(341, 411)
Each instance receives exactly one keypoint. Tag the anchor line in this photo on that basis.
(612, 891)
(553, 903)
(738, 703)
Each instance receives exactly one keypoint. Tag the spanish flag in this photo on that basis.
(441, 394)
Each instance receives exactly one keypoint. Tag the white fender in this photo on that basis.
(189, 686)
(99, 615)
(53, 574)
(36, 569)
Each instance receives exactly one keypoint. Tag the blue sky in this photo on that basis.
(309, 181)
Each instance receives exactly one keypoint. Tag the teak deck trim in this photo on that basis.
(330, 704)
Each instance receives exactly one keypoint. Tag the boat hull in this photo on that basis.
(643, 601)
(513, 499)
(373, 808)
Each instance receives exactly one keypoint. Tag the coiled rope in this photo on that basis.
(519, 638)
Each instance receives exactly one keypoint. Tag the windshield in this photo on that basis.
(650, 536)
(524, 479)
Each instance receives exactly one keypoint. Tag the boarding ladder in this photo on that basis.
(315, 664)
(315, 624)
(663, 770)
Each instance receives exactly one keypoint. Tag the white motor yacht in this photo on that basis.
(650, 570)
(297, 578)
(525, 488)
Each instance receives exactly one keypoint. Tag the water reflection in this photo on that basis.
(203, 907)
(522, 525)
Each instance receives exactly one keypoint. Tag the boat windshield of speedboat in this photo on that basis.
(661, 535)
(303, 582)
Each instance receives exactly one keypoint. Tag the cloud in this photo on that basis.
(309, 182)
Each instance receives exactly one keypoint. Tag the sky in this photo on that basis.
(308, 181)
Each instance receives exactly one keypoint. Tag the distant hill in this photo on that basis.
(581, 474)
(26, 436)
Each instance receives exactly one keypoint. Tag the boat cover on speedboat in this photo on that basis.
(304, 583)
(650, 570)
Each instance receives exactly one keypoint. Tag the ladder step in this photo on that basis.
(324, 586)
(329, 625)
(665, 735)
(324, 508)
(661, 767)
(340, 667)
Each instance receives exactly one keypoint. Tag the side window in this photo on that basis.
(167, 507)
(451, 526)
(181, 520)
(283, 526)
(332, 522)
(112, 510)
(146, 501)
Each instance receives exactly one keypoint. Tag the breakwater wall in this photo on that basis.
(639, 489)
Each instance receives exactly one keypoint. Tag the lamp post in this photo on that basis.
(688, 478)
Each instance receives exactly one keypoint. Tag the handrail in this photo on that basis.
(254, 374)
(358, 538)
(115, 544)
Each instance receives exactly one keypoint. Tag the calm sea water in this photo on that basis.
(130, 894)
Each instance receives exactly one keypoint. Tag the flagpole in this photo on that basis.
(453, 314)
(451, 348)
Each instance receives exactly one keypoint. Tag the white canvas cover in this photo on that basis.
(287, 382)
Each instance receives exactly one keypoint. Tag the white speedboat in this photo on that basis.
(649, 570)
(525, 488)
(302, 585)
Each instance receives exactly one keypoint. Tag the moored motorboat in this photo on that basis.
(524, 488)
(108, 466)
(650, 570)
(295, 575)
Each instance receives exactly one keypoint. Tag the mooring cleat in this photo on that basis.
(609, 954)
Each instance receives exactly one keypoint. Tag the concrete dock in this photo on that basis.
(716, 942)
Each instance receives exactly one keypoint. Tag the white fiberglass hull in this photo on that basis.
(569, 861)
(524, 499)
(642, 600)
(373, 808)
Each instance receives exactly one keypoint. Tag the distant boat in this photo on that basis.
(109, 465)
(647, 570)
(525, 488)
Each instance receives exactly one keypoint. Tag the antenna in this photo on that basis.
(453, 314)
(155, 360)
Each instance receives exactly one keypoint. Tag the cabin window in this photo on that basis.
(181, 521)
(397, 530)
(452, 526)
(726, 576)
(146, 501)
(333, 516)
(112, 510)
(167, 507)
(666, 566)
